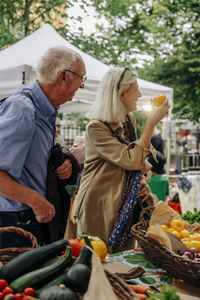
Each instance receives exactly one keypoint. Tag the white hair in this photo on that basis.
(108, 106)
(54, 60)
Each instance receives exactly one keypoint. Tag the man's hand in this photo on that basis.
(44, 211)
(78, 149)
(11, 189)
(64, 171)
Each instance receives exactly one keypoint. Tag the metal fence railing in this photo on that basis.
(70, 132)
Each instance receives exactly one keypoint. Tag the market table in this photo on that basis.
(153, 275)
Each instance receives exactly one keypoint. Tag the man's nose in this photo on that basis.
(82, 85)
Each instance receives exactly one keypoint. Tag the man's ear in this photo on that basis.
(62, 76)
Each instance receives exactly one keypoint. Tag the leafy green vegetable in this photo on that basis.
(166, 293)
(192, 217)
(139, 259)
(147, 280)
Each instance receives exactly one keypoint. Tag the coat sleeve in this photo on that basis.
(128, 157)
(58, 155)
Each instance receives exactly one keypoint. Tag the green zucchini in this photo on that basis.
(31, 260)
(39, 277)
(84, 256)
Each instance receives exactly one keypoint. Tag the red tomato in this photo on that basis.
(7, 290)
(18, 296)
(76, 246)
(29, 291)
(3, 284)
(1, 296)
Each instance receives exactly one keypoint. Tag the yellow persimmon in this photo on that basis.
(186, 241)
(195, 236)
(177, 225)
(195, 244)
(170, 230)
(176, 233)
(164, 227)
(184, 234)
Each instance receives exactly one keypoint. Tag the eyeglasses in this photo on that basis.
(122, 77)
(83, 78)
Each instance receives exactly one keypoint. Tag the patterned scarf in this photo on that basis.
(120, 231)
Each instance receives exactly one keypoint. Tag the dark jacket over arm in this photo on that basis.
(57, 193)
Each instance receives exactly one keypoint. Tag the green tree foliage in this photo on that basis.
(18, 18)
(163, 34)
(180, 66)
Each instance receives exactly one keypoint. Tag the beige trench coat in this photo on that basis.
(103, 180)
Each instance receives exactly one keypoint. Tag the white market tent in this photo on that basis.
(18, 66)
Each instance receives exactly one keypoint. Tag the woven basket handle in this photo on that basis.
(22, 232)
(146, 209)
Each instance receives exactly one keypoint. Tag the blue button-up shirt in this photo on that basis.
(27, 133)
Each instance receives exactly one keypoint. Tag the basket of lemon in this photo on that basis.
(184, 264)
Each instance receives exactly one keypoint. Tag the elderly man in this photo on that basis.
(27, 126)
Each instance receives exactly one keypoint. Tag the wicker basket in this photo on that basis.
(7, 254)
(120, 287)
(174, 264)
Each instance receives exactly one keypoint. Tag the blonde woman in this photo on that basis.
(112, 180)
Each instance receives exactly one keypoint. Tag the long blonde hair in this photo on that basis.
(108, 105)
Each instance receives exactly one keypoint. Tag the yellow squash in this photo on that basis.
(98, 246)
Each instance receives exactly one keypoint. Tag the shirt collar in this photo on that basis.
(42, 101)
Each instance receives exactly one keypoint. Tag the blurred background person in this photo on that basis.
(158, 183)
(59, 139)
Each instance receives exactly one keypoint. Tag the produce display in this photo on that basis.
(145, 292)
(55, 276)
(191, 240)
(191, 254)
(165, 294)
(62, 270)
(31, 260)
(192, 217)
(41, 276)
(65, 275)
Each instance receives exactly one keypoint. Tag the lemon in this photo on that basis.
(158, 100)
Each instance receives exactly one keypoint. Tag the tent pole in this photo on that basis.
(168, 143)
(23, 77)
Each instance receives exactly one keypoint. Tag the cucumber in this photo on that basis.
(31, 260)
(41, 276)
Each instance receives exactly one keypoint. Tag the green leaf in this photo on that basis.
(139, 259)
(148, 280)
